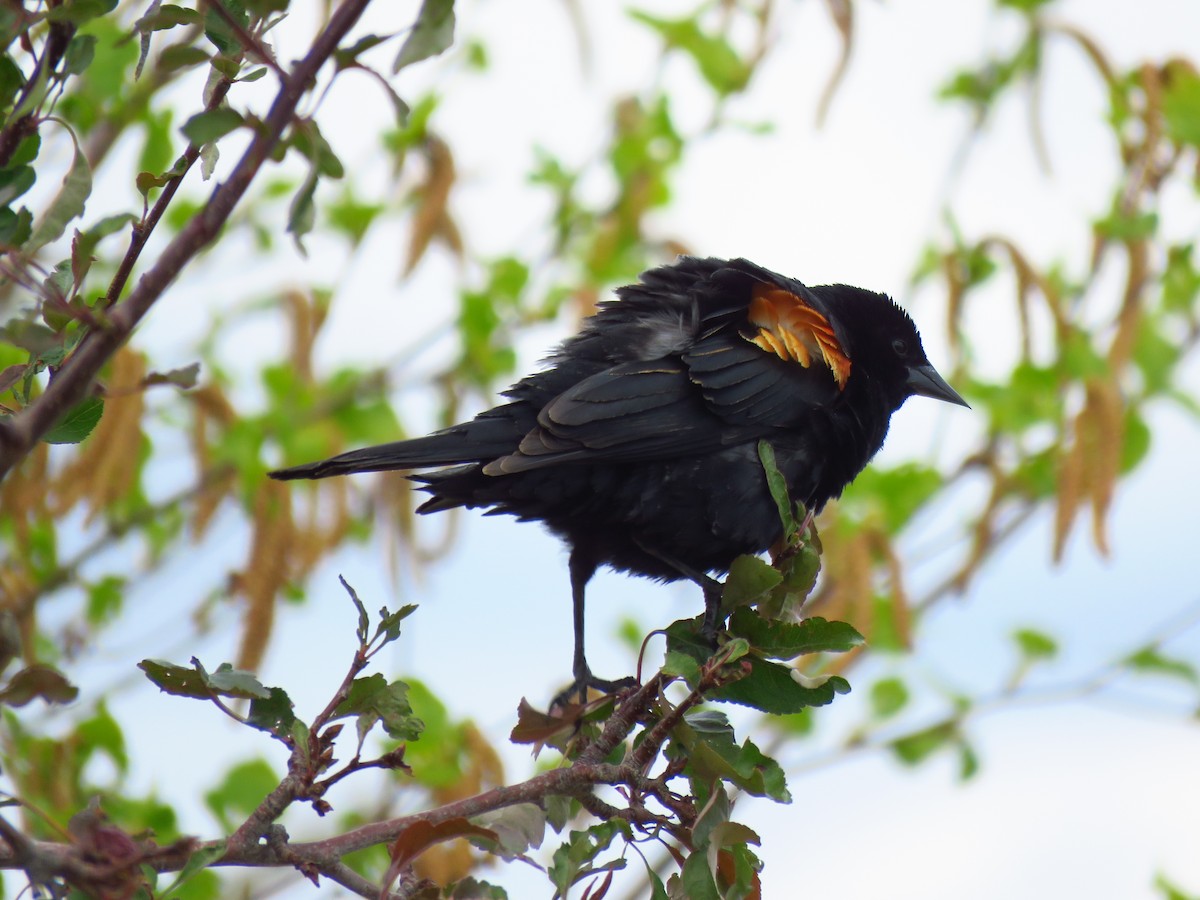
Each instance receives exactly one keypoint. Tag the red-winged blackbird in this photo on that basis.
(638, 445)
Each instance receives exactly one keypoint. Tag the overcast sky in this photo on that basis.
(1074, 800)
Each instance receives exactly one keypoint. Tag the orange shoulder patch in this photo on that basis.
(794, 331)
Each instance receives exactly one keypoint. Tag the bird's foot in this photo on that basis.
(577, 691)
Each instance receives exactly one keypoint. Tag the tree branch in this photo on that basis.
(69, 385)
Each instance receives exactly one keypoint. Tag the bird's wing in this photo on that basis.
(734, 384)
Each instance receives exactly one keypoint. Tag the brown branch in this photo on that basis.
(143, 229)
(21, 432)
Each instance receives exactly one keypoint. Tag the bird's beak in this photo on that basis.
(925, 381)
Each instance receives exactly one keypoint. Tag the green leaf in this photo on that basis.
(518, 828)
(777, 485)
(105, 599)
(787, 640)
(166, 17)
(573, 859)
(772, 688)
(895, 493)
(1181, 106)
(696, 879)
(716, 755)
(389, 622)
(1150, 661)
(1171, 891)
(240, 792)
(682, 665)
(206, 127)
(364, 622)
(472, 889)
(78, 422)
(196, 863)
(273, 713)
(231, 682)
(1034, 645)
(77, 12)
(719, 64)
(15, 181)
(67, 205)
(888, 697)
(181, 57)
(217, 30)
(303, 212)
(431, 34)
(749, 579)
(196, 682)
(915, 748)
(373, 699)
(101, 732)
(15, 227)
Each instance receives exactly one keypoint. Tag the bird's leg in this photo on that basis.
(710, 586)
(582, 567)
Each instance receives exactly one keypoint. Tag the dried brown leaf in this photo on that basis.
(1070, 494)
(266, 570)
(842, 14)
(104, 468)
(432, 199)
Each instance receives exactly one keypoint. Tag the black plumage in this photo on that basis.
(638, 444)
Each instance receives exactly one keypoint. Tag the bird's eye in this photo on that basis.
(900, 347)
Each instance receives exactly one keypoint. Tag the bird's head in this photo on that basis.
(883, 344)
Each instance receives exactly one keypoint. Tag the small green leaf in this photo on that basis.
(771, 688)
(682, 665)
(15, 181)
(777, 485)
(787, 640)
(217, 30)
(196, 863)
(389, 622)
(67, 205)
(273, 713)
(1035, 645)
(915, 748)
(303, 212)
(888, 697)
(749, 579)
(719, 63)
(1181, 106)
(518, 828)
(364, 621)
(77, 424)
(373, 699)
(241, 791)
(431, 34)
(205, 127)
(231, 682)
(105, 599)
(1152, 662)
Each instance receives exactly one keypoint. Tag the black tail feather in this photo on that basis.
(445, 448)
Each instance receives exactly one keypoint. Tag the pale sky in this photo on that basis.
(1073, 800)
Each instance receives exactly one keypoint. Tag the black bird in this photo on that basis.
(638, 445)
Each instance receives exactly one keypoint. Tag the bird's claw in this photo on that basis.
(578, 689)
